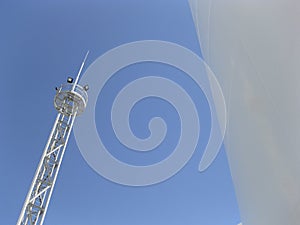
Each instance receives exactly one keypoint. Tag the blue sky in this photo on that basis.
(43, 43)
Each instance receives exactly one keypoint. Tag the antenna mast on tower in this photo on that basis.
(70, 101)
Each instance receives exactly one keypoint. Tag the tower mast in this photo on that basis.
(70, 101)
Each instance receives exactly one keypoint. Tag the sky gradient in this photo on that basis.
(41, 45)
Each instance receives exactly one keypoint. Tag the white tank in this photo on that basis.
(253, 47)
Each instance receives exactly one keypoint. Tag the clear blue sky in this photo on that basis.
(44, 42)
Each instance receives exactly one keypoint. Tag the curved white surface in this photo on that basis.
(253, 47)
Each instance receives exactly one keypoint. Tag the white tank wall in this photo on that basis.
(253, 47)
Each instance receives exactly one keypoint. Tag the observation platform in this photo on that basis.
(71, 99)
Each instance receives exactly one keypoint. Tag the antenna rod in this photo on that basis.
(79, 72)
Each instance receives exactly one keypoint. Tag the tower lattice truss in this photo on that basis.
(70, 100)
(48, 170)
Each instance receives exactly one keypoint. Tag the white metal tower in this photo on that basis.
(70, 101)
